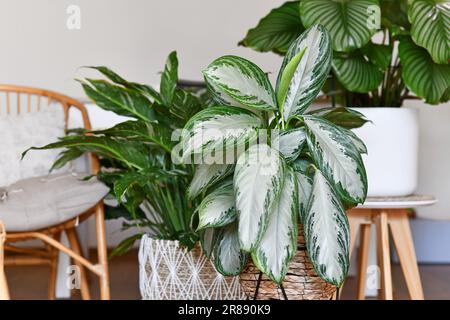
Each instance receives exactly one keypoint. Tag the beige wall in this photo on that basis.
(131, 36)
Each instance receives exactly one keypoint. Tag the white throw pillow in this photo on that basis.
(19, 132)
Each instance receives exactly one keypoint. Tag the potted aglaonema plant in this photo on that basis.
(274, 204)
(148, 188)
(386, 52)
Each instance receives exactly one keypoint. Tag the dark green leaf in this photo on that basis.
(169, 79)
(120, 211)
(125, 246)
(343, 117)
(146, 90)
(394, 13)
(276, 31)
(380, 55)
(133, 154)
(120, 100)
(65, 157)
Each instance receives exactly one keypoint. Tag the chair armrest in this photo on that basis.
(4, 292)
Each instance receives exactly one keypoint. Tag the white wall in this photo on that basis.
(131, 36)
(134, 37)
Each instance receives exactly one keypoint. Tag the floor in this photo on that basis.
(31, 282)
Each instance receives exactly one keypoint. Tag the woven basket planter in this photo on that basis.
(170, 272)
(301, 282)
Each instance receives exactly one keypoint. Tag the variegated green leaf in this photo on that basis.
(289, 143)
(206, 175)
(304, 192)
(279, 242)
(327, 232)
(338, 158)
(351, 23)
(430, 27)
(217, 209)
(120, 100)
(241, 80)
(311, 53)
(356, 73)
(258, 178)
(422, 76)
(276, 31)
(229, 259)
(214, 127)
(359, 144)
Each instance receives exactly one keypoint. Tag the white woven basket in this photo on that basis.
(170, 272)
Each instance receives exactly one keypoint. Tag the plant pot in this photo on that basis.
(171, 272)
(392, 141)
(301, 282)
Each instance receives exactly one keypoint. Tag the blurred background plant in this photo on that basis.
(411, 56)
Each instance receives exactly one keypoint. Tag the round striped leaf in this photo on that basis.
(311, 53)
(279, 242)
(206, 175)
(338, 158)
(242, 80)
(351, 23)
(217, 209)
(421, 74)
(356, 73)
(213, 128)
(276, 31)
(258, 178)
(430, 27)
(289, 143)
(229, 259)
(327, 232)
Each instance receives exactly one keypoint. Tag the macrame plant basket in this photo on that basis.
(301, 282)
(170, 272)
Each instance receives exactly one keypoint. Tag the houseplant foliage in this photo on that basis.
(136, 154)
(306, 171)
(370, 73)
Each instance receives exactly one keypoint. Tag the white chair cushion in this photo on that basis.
(24, 130)
(41, 202)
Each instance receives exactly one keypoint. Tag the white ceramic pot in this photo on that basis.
(392, 141)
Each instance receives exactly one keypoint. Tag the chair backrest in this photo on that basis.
(19, 99)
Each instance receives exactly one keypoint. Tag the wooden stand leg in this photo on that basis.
(363, 259)
(403, 241)
(384, 260)
(75, 245)
(53, 269)
(102, 252)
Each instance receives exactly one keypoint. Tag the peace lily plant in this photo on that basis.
(410, 52)
(306, 172)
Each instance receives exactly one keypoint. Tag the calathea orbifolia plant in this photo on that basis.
(306, 171)
(383, 49)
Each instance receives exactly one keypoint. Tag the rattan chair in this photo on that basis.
(25, 100)
(4, 293)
